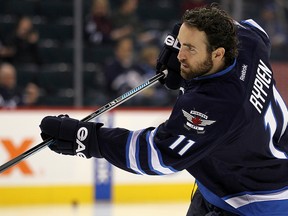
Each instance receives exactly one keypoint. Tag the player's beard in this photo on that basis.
(200, 69)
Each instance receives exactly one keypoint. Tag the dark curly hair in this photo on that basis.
(218, 26)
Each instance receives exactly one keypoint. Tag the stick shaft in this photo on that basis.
(116, 102)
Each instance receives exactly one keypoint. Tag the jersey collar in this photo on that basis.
(218, 74)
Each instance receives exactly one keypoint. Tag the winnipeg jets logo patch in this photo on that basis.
(197, 120)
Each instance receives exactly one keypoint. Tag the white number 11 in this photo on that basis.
(179, 141)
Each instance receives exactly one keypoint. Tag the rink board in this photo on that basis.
(47, 177)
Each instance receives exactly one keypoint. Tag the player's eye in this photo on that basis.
(190, 49)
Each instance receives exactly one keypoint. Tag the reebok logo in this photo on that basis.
(82, 134)
(243, 72)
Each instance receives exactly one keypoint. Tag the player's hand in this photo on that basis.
(167, 59)
(71, 136)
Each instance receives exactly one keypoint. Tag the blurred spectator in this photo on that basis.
(125, 19)
(156, 95)
(148, 60)
(98, 25)
(125, 72)
(272, 25)
(121, 72)
(10, 95)
(126, 23)
(24, 40)
(31, 95)
(103, 27)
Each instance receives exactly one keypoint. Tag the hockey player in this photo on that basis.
(228, 127)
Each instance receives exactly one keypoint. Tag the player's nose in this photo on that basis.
(181, 55)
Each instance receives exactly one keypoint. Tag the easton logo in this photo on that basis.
(172, 42)
(197, 121)
(82, 134)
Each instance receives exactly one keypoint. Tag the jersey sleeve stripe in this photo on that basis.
(271, 125)
(249, 198)
(281, 103)
(256, 25)
(155, 158)
(132, 152)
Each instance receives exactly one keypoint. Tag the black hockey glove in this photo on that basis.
(71, 136)
(167, 59)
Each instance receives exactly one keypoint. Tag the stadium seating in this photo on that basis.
(53, 20)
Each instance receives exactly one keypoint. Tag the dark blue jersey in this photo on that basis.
(228, 129)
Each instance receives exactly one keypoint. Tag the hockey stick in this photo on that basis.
(116, 102)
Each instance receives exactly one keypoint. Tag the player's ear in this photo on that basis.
(218, 54)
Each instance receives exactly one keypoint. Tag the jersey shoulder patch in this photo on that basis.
(197, 120)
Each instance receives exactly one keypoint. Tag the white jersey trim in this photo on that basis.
(246, 199)
(155, 158)
(281, 103)
(133, 154)
(256, 25)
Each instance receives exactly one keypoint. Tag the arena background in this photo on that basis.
(73, 68)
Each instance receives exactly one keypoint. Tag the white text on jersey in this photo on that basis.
(261, 85)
